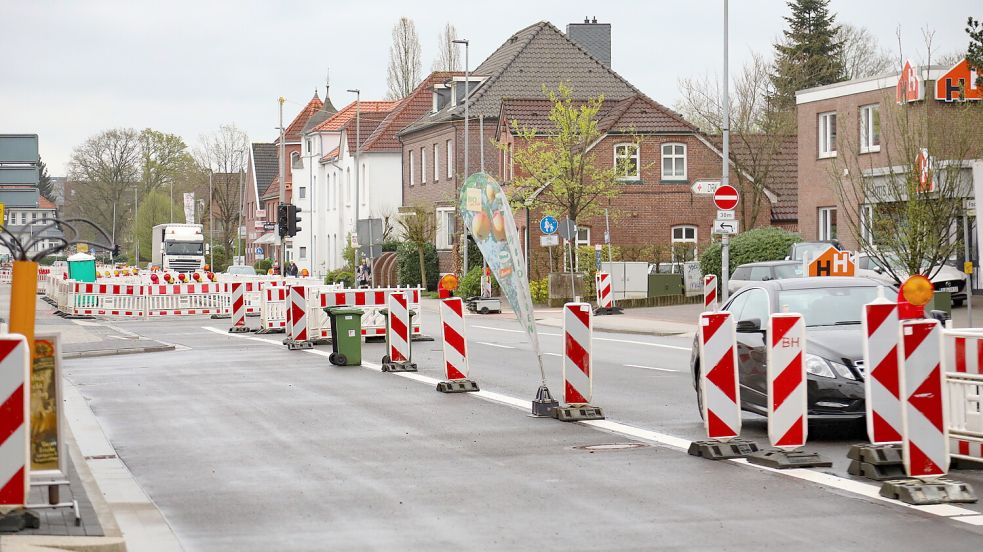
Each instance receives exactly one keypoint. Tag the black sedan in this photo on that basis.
(834, 354)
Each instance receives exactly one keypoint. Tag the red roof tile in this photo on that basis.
(292, 134)
(45, 203)
(414, 106)
(347, 113)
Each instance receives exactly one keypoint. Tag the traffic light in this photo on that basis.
(281, 219)
(292, 220)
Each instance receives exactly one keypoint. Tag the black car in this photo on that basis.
(834, 354)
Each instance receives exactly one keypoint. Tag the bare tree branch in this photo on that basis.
(404, 59)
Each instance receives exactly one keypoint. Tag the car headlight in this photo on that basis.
(841, 370)
(818, 366)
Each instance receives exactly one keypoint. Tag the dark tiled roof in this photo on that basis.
(273, 190)
(411, 108)
(265, 160)
(777, 158)
(636, 113)
(319, 116)
(535, 56)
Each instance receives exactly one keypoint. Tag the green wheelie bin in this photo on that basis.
(346, 336)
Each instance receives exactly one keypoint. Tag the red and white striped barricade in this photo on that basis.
(186, 299)
(273, 311)
(237, 304)
(720, 390)
(788, 422)
(709, 293)
(578, 365)
(881, 331)
(297, 336)
(15, 422)
(372, 302)
(455, 348)
(398, 356)
(603, 291)
(963, 363)
(925, 437)
(98, 299)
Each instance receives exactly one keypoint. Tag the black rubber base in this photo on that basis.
(784, 459)
(876, 472)
(612, 310)
(18, 520)
(399, 367)
(544, 403)
(723, 450)
(938, 491)
(240, 329)
(297, 345)
(457, 386)
(578, 413)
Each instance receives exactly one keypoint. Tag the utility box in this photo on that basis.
(663, 285)
(82, 267)
(629, 280)
(941, 300)
(346, 336)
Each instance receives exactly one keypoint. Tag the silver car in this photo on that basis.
(948, 278)
(763, 272)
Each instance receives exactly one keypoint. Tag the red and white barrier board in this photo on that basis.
(273, 314)
(15, 422)
(297, 314)
(787, 420)
(603, 291)
(720, 388)
(398, 338)
(963, 367)
(578, 365)
(882, 331)
(925, 435)
(709, 292)
(453, 333)
(238, 304)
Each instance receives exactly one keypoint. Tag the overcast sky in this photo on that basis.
(72, 69)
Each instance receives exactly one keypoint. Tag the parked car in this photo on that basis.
(799, 251)
(834, 354)
(948, 278)
(244, 270)
(763, 272)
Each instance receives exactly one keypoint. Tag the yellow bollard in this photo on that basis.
(23, 300)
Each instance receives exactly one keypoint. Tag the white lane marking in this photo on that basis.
(553, 354)
(823, 479)
(86, 323)
(651, 368)
(495, 345)
(510, 331)
(642, 343)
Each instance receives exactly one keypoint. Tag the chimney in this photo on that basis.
(594, 37)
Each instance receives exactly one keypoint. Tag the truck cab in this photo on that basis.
(179, 247)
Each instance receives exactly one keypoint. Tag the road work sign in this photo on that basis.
(831, 262)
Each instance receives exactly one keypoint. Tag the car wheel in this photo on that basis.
(484, 310)
(699, 392)
(957, 302)
(385, 359)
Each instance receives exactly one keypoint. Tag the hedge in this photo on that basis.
(408, 265)
(759, 244)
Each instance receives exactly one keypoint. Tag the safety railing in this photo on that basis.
(963, 351)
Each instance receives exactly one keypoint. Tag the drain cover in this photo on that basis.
(611, 446)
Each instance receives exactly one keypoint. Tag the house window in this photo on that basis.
(303, 252)
(827, 223)
(450, 160)
(673, 161)
(436, 164)
(302, 192)
(423, 165)
(626, 161)
(870, 128)
(308, 145)
(583, 235)
(866, 225)
(684, 243)
(412, 167)
(295, 161)
(445, 228)
(348, 186)
(827, 135)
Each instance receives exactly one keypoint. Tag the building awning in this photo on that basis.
(268, 238)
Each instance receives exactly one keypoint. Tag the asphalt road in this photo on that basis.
(244, 445)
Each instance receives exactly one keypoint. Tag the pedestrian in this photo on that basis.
(292, 270)
(366, 272)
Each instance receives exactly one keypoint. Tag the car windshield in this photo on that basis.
(834, 306)
(184, 248)
(799, 250)
(788, 271)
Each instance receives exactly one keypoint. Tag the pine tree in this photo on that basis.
(809, 55)
(44, 181)
(974, 53)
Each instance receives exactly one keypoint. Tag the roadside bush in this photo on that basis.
(470, 285)
(342, 276)
(540, 291)
(408, 265)
(759, 244)
(263, 266)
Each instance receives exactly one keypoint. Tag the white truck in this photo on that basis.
(179, 247)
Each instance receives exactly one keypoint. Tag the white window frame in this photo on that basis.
(412, 166)
(423, 165)
(586, 239)
(826, 138)
(436, 163)
(444, 237)
(824, 220)
(637, 156)
(869, 115)
(303, 253)
(673, 156)
(673, 240)
(450, 159)
(296, 161)
(301, 192)
(866, 231)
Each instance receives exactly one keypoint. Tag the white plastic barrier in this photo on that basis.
(186, 299)
(371, 301)
(85, 299)
(963, 361)
(273, 308)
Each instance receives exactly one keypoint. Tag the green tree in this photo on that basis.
(44, 181)
(154, 209)
(809, 54)
(974, 53)
(419, 225)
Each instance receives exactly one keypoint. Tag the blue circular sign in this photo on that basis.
(259, 250)
(548, 225)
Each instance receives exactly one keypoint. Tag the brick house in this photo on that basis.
(655, 205)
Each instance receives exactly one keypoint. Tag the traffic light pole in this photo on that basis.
(283, 188)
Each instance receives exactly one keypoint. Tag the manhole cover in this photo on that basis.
(611, 446)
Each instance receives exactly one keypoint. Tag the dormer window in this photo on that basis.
(441, 97)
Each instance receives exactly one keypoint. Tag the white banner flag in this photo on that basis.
(189, 207)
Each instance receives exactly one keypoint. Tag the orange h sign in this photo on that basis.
(831, 262)
(959, 84)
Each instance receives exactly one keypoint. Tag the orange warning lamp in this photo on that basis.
(914, 294)
(154, 279)
(182, 276)
(449, 282)
(167, 277)
(196, 276)
(305, 273)
(207, 268)
(211, 276)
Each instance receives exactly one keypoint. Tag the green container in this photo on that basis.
(941, 300)
(664, 285)
(346, 336)
(82, 267)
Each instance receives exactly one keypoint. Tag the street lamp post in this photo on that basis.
(211, 225)
(467, 84)
(358, 147)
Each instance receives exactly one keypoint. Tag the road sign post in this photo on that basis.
(725, 197)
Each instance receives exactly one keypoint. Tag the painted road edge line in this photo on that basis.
(650, 368)
(858, 488)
